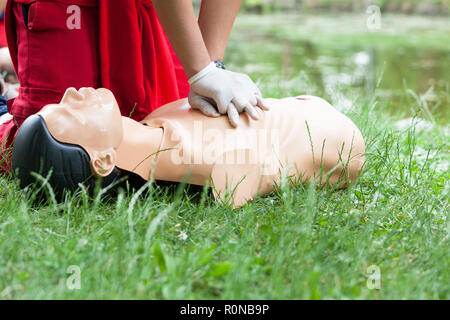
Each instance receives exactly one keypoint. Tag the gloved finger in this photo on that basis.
(258, 92)
(251, 111)
(249, 81)
(233, 115)
(240, 103)
(207, 108)
(253, 101)
(201, 103)
(262, 103)
(222, 104)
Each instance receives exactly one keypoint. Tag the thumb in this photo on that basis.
(203, 105)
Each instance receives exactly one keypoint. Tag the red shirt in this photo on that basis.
(121, 46)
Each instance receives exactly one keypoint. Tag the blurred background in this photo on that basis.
(351, 52)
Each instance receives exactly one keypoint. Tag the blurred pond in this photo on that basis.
(405, 65)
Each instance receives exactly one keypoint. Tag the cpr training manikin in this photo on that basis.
(85, 136)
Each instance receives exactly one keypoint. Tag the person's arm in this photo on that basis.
(2, 5)
(230, 92)
(216, 20)
(180, 24)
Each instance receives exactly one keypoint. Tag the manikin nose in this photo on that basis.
(87, 92)
(74, 94)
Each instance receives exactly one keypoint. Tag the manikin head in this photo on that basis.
(91, 119)
(74, 140)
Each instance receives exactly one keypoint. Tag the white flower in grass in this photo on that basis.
(182, 236)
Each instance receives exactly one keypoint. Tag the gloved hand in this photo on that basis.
(203, 104)
(231, 92)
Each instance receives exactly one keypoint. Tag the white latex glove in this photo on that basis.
(205, 105)
(231, 92)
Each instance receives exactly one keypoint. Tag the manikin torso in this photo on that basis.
(247, 160)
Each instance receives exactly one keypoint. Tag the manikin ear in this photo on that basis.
(103, 163)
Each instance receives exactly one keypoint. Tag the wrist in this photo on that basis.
(202, 73)
(196, 67)
(220, 64)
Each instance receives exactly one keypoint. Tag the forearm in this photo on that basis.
(216, 21)
(178, 20)
(2, 5)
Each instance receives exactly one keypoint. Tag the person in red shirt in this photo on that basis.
(8, 79)
(143, 51)
(3, 42)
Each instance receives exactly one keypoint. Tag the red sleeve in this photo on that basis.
(10, 29)
(137, 63)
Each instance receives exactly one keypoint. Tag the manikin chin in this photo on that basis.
(85, 135)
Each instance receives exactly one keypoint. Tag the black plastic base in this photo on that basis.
(35, 151)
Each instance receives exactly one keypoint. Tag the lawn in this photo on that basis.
(298, 243)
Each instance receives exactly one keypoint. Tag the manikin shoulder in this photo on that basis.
(176, 108)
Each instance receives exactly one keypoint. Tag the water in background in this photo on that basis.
(405, 64)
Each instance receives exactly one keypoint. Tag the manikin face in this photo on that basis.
(91, 119)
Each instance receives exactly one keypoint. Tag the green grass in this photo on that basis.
(298, 243)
